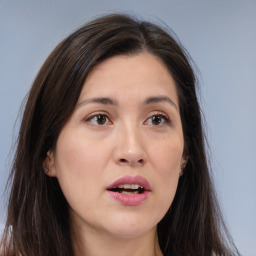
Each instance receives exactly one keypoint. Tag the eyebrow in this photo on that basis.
(113, 102)
(157, 99)
(99, 100)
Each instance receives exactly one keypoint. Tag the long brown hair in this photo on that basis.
(38, 219)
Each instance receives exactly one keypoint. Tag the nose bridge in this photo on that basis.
(129, 148)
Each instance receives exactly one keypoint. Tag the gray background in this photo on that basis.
(220, 35)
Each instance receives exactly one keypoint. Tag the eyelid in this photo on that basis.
(94, 114)
(158, 112)
(162, 114)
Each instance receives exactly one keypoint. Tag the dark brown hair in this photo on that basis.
(38, 219)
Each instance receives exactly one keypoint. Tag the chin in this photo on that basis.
(128, 226)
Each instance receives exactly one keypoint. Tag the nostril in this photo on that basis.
(131, 162)
(140, 161)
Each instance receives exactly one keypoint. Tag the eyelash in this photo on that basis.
(161, 115)
(90, 118)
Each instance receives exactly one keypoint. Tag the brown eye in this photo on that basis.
(101, 119)
(98, 119)
(158, 120)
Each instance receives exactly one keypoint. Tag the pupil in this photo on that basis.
(156, 120)
(101, 119)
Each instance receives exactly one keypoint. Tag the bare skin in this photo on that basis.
(111, 246)
(126, 122)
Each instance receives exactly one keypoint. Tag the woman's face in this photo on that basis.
(119, 156)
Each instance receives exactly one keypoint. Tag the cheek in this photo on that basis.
(76, 155)
(167, 156)
(166, 159)
(79, 167)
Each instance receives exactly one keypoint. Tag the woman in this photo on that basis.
(110, 157)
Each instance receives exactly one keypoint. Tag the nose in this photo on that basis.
(129, 147)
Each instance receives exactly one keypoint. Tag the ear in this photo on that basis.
(183, 163)
(49, 164)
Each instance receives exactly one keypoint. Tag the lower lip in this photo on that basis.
(130, 199)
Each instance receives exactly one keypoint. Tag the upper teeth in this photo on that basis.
(129, 186)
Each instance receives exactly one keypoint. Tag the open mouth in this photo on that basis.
(129, 189)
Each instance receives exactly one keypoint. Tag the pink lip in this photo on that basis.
(131, 180)
(130, 199)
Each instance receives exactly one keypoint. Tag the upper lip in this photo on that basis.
(131, 180)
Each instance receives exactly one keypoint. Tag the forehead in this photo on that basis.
(130, 76)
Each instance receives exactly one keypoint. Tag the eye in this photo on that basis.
(158, 120)
(98, 119)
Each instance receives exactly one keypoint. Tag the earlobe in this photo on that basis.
(183, 164)
(49, 164)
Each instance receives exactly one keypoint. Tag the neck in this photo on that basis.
(100, 244)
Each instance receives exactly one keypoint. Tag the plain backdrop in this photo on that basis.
(220, 35)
